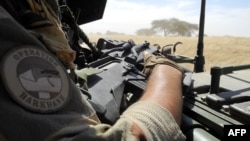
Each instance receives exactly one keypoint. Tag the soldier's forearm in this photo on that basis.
(164, 88)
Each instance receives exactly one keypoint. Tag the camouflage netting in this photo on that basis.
(48, 29)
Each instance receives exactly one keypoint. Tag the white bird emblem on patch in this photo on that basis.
(44, 85)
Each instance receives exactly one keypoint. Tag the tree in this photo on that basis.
(161, 25)
(183, 28)
(174, 26)
(114, 33)
(145, 32)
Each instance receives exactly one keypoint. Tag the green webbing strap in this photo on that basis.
(85, 72)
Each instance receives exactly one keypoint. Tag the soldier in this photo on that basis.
(39, 101)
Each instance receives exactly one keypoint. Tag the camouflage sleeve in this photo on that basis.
(85, 129)
(155, 121)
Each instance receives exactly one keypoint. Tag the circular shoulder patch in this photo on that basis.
(35, 79)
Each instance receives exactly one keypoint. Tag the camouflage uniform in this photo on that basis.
(30, 111)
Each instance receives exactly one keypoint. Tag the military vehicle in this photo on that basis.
(111, 71)
(211, 99)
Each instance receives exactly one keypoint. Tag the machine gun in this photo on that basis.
(211, 99)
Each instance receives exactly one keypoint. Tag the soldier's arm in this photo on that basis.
(163, 89)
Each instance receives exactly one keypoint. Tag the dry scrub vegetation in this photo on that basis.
(218, 51)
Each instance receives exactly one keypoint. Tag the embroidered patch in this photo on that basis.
(35, 79)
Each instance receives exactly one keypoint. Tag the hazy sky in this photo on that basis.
(223, 17)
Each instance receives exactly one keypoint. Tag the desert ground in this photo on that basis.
(218, 51)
